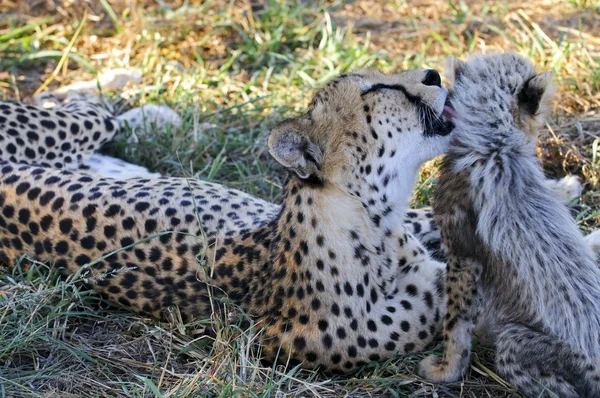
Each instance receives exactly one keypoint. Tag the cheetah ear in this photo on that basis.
(454, 68)
(290, 145)
(534, 100)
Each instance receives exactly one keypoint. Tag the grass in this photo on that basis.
(231, 69)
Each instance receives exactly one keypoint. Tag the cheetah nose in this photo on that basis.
(432, 78)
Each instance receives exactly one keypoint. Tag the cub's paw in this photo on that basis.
(434, 369)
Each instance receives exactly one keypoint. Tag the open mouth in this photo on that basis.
(438, 124)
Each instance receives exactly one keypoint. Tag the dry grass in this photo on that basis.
(239, 66)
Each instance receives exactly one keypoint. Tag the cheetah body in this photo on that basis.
(334, 275)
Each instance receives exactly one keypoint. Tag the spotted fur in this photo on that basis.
(59, 138)
(518, 266)
(334, 276)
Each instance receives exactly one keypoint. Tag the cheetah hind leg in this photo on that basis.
(543, 366)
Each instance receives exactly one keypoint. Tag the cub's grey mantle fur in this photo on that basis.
(517, 261)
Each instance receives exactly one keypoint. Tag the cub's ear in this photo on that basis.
(534, 100)
(454, 68)
(290, 145)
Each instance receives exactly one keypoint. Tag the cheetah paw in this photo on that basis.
(432, 369)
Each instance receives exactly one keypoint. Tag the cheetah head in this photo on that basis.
(367, 132)
(500, 91)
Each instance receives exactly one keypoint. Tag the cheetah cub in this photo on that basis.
(518, 266)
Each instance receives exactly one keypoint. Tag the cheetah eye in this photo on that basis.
(396, 87)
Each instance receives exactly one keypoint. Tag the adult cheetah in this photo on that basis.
(334, 276)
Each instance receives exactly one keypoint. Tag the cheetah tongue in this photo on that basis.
(449, 113)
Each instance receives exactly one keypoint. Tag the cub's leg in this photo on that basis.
(459, 322)
(539, 364)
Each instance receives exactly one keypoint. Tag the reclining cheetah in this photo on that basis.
(334, 276)
(515, 256)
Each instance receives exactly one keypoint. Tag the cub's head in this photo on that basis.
(366, 131)
(499, 91)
